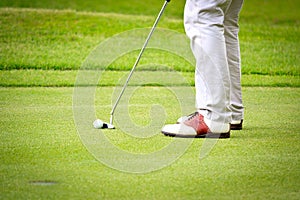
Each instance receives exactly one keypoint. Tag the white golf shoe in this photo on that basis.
(196, 125)
(234, 125)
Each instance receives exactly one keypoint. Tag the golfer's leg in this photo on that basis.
(203, 20)
(231, 28)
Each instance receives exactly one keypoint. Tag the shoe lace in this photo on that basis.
(191, 116)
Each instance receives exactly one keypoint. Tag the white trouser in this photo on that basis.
(212, 26)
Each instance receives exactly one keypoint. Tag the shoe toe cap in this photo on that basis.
(178, 129)
(181, 119)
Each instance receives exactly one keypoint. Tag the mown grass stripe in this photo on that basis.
(56, 78)
(62, 40)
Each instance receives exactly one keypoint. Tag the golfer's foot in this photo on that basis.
(197, 126)
(234, 125)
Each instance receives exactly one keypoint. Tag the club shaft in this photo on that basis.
(137, 60)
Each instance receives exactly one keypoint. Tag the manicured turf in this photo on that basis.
(49, 149)
(39, 142)
(62, 39)
(67, 78)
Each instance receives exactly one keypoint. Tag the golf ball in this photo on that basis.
(98, 123)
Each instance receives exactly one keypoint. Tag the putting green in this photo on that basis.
(40, 144)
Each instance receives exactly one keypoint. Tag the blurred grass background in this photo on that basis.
(62, 38)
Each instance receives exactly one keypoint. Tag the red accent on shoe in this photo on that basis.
(196, 121)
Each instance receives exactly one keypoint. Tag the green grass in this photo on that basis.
(266, 11)
(44, 43)
(62, 39)
(135, 7)
(67, 78)
(39, 142)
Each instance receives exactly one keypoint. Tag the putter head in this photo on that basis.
(108, 126)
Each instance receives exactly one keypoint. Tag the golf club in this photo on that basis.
(110, 126)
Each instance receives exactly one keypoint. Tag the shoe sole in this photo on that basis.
(233, 127)
(208, 135)
(236, 126)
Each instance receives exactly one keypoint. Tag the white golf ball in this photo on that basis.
(98, 123)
